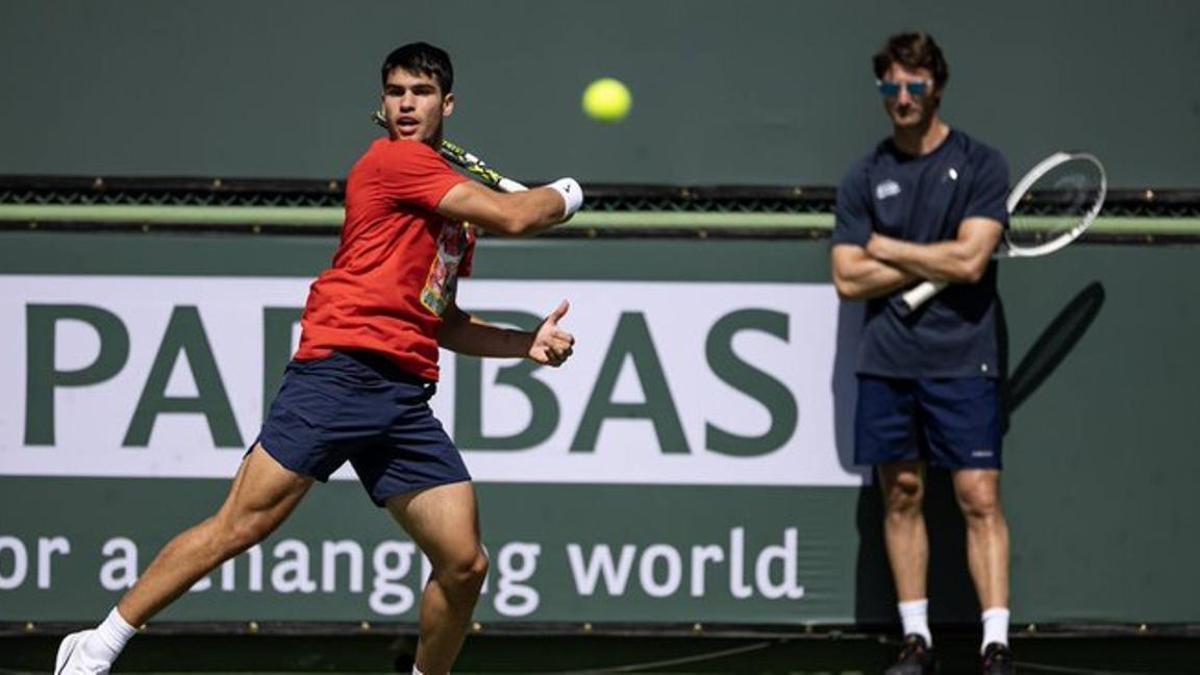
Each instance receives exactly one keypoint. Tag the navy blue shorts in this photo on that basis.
(954, 423)
(359, 407)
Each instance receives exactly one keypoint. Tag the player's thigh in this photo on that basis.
(325, 409)
(263, 494)
(885, 421)
(443, 521)
(413, 455)
(962, 421)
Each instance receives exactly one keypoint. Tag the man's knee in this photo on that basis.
(979, 500)
(903, 492)
(240, 533)
(465, 573)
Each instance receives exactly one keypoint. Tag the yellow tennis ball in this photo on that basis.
(607, 100)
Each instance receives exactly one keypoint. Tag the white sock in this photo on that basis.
(106, 643)
(914, 614)
(995, 627)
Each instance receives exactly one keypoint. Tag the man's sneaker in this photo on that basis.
(916, 658)
(997, 659)
(71, 659)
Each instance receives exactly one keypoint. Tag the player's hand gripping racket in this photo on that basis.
(470, 163)
(1059, 198)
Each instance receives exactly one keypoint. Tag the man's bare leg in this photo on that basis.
(903, 485)
(444, 523)
(261, 497)
(263, 494)
(978, 494)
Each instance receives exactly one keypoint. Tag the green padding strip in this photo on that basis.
(1145, 226)
(700, 220)
(174, 215)
(332, 216)
(268, 216)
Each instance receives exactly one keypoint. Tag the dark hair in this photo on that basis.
(423, 58)
(912, 51)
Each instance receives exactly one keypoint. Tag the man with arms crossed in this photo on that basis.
(357, 389)
(928, 203)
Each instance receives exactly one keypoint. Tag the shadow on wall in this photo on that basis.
(845, 384)
(950, 589)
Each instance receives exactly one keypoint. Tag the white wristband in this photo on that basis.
(571, 193)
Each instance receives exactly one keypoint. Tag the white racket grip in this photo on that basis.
(919, 295)
(510, 185)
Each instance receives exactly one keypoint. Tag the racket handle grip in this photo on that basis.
(920, 294)
(510, 185)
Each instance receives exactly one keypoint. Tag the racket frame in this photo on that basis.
(923, 292)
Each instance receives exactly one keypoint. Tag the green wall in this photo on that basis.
(766, 91)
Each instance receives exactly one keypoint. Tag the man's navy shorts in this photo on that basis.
(954, 423)
(357, 406)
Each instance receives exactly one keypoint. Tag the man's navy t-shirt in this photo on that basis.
(923, 200)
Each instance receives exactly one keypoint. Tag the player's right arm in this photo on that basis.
(859, 276)
(512, 214)
(413, 173)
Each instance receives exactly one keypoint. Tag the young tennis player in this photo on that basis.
(358, 388)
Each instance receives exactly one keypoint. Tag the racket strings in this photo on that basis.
(1065, 199)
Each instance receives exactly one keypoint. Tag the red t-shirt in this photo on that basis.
(397, 267)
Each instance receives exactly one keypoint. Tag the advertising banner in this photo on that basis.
(692, 462)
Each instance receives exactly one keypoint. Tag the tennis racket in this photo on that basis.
(1058, 199)
(468, 162)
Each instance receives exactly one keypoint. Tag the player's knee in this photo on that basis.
(904, 496)
(979, 503)
(467, 573)
(476, 570)
(242, 533)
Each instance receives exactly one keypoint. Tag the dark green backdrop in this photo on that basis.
(763, 91)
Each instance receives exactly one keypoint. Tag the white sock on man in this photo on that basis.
(914, 614)
(995, 626)
(106, 643)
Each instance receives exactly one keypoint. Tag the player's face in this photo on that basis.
(906, 109)
(414, 106)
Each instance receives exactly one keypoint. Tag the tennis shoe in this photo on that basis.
(72, 660)
(916, 658)
(997, 659)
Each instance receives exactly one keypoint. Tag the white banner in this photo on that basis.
(716, 361)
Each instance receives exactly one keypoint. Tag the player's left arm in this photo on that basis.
(964, 259)
(549, 345)
(961, 260)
